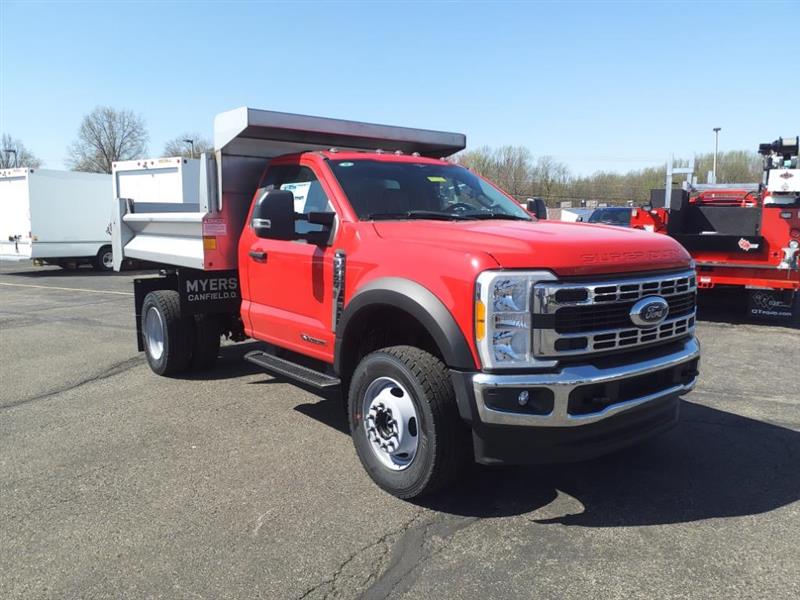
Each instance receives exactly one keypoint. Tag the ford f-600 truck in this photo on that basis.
(456, 324)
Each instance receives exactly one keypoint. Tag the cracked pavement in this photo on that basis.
(117, 483)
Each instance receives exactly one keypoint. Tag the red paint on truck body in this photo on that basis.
(289, 294)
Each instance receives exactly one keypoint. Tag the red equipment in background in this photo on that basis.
(744, 235)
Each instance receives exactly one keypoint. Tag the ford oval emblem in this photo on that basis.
(649, 312)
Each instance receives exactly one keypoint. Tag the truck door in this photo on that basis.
(290, 282)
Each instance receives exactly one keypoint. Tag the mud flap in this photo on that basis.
(773, 305)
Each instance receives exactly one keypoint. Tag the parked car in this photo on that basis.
(611, 215)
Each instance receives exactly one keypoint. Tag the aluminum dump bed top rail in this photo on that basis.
(204, 234)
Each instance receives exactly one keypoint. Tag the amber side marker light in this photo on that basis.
(480, 320)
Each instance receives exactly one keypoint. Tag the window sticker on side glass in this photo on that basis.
(300, 192)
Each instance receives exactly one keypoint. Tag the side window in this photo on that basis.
(306, 188)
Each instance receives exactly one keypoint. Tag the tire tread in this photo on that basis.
(450, 435)
(179, 331)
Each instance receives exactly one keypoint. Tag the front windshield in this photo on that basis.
(404, 190)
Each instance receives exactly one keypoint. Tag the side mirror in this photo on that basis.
(537, 208)
(579, 220)
(273, 215)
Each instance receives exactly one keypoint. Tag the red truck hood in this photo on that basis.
(565, 248)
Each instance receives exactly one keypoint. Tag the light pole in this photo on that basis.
(191, 143)
(12, 151)
(716, 151)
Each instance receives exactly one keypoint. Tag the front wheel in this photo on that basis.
(405, 423)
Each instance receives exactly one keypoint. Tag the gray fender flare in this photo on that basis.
(421, 304)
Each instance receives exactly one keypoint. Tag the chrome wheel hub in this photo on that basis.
(154, 333)
(391, 423)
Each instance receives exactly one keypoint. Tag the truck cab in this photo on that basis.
(456, 325)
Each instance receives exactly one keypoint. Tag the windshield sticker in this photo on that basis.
(436, 179)
(300, 191)
(346, 164)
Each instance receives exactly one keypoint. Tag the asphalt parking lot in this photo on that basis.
(117, 483)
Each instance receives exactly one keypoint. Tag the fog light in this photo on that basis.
(523, 398)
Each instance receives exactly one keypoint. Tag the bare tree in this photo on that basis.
(105, 136)
(13, 153)
(508, 166)
(179, 146)
(514, 164)
(481, 160)
(548, 173)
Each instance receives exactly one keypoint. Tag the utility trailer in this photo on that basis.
(455, 325)
(55, 217)
(741, 235)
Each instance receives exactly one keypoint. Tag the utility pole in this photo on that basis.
(716, 151)
(191, 143)
(14, 152)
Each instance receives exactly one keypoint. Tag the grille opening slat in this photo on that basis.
(595, 317)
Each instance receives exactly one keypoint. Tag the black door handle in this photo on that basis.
(258, 254)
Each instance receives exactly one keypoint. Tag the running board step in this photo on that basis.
(287, 368)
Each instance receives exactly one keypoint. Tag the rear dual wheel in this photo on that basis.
(174, 344)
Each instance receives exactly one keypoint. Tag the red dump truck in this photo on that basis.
(457, 325)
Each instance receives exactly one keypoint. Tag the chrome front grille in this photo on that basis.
(574, 318)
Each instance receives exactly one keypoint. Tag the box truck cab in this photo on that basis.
(456, 325)
(55, 217)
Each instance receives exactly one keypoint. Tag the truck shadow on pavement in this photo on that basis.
(713, 464)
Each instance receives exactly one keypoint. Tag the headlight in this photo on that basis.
(503, 317)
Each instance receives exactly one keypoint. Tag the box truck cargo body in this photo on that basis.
(55, 217)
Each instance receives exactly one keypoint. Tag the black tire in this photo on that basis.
(206, 340)
(443, 448)
(177, 333)
(104, 260)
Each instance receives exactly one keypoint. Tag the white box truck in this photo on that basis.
(56, 217)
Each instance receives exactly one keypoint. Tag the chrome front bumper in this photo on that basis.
(568, 379)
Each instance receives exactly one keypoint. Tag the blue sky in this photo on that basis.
(609, 86)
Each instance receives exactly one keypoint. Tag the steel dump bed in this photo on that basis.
(197, 223)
